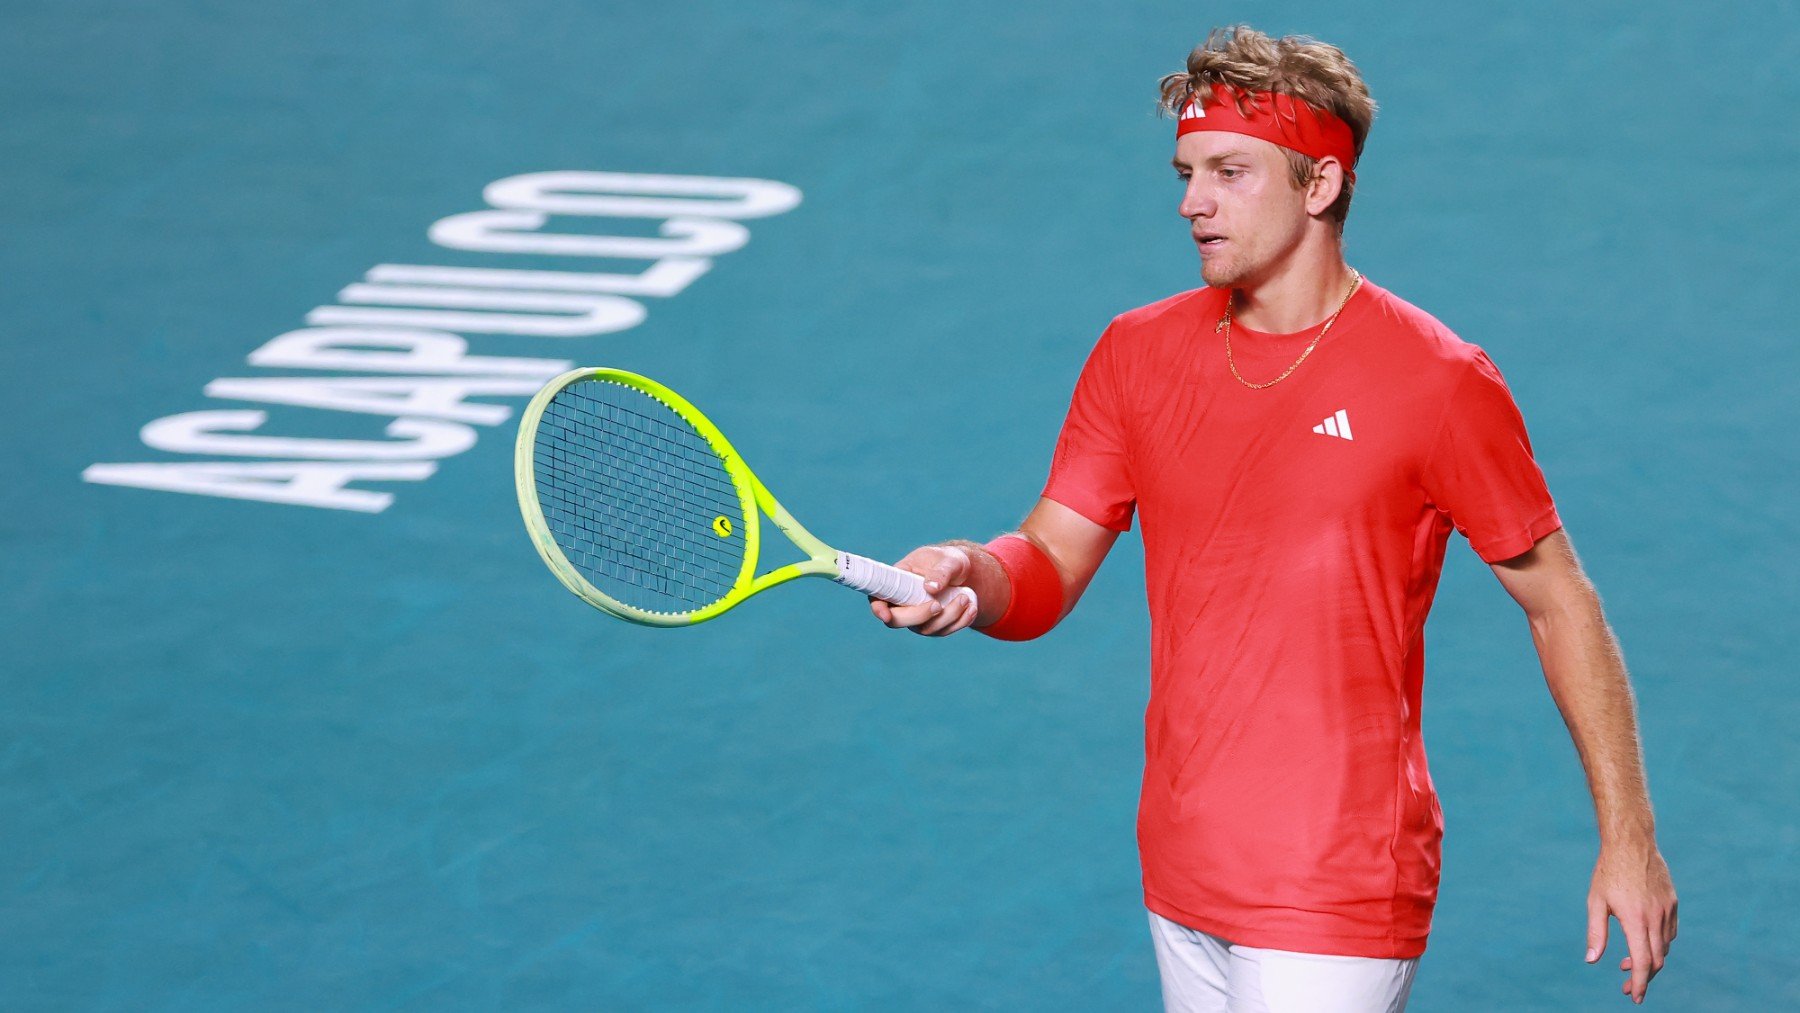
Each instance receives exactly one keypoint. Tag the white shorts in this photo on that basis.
(1202, 973)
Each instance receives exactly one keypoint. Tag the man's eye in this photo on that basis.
(1183, 176)
(1231, 173)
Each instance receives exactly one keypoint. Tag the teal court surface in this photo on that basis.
(357, 750)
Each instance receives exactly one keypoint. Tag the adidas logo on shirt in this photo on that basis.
(1337, 424)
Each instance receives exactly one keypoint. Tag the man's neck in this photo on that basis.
(1302, 292)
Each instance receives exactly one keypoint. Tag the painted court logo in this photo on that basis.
(395, 349)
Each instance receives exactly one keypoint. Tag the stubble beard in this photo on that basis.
(1220, 274)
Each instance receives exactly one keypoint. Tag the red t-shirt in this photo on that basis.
(1293, 538)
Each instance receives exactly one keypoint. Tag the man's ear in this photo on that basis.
(1327, 183)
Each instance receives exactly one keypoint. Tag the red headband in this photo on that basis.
(1291, 123)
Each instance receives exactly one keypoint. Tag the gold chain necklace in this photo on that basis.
(1225, 325)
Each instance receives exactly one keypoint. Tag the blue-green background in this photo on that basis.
(255, 756)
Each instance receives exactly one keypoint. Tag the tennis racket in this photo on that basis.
(641, 507)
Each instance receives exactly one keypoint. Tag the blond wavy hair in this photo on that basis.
(1314, 72)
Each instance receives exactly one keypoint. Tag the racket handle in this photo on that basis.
(890, 583)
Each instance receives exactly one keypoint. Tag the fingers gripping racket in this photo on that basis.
(641, 507)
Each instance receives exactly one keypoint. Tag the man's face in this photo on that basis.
(1244, 210)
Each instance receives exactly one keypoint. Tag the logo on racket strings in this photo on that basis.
(722, 526)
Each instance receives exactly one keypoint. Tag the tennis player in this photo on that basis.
(1298, 443)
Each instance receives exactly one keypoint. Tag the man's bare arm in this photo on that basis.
(1586, 675)
(1075, 545)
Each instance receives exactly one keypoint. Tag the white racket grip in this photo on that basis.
(890, 583)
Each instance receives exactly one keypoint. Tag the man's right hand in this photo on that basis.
(1074, 544)
(942, 566)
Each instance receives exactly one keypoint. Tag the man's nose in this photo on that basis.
(1197, 203)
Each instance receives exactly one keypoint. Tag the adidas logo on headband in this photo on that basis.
(1274, 117)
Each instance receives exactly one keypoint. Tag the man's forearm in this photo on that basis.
(1069, 543)
(1586, 674)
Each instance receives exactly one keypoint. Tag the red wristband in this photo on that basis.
(1037, 593)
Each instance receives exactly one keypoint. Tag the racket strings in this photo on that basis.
(640, 551)
(630, 488)
(632, 493)
(642, 490)
(649, 571)
(702, 468)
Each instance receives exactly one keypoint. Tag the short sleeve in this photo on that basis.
(1090, 472)
(1481, 473)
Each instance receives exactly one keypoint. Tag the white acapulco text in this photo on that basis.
(394, 344)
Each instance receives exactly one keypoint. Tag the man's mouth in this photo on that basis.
(1208, 241)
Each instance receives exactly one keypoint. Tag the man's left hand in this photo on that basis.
(1632, 884)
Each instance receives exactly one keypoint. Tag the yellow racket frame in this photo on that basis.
(753, 498)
